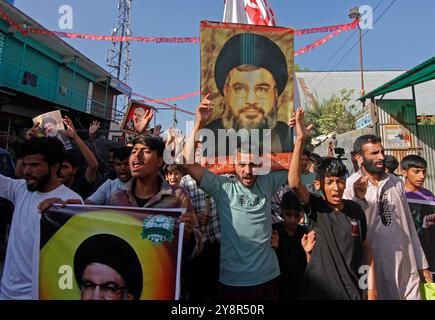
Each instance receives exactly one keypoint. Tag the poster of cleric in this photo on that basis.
(422, 208)
(133, 121)
(247, 74)
(109, 253)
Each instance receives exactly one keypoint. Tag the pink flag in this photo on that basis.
(250, 12)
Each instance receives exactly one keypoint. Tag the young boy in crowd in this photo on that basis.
(333, 272)
(291, 255)
(414, 169)
(173, 174)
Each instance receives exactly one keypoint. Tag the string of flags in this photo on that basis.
(334, 29)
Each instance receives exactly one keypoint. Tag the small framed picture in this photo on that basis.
(134, 116)
(51, 125)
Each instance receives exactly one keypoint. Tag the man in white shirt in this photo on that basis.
(42, 158)
(399, 258)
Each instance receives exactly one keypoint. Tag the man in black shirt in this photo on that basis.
(333, 272)
(291, 255)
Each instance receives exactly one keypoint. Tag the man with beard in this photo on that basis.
(137, 118)
(249, 267)
(42, 158)
(251, 73)
(399, 257)
(50, 128)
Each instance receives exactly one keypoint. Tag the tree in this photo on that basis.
(298, 68)
(332, 115)
(426, 120)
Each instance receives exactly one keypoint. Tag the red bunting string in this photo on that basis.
(299, 52)
(184, 96)
(317, 43)
(11, 22)
(326, 38)
(72, 35)
(148, 100)
(342, 27)
(337, 29)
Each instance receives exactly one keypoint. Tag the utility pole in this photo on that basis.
(354, 14)
(174, 119)
(118, 57)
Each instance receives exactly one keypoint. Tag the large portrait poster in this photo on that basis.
(247, 71)
(112, 253)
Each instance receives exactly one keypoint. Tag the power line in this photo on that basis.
(347, 40)
(347, 53)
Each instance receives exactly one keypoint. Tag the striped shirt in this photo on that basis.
(212, 232)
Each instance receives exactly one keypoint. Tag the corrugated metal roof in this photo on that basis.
(419, 74)
(322, 85)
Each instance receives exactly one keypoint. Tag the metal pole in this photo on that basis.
(22, 61)
(361, 61)
(73, 82)
(174, 120)
(105, 97)
(9, 133)
(415, 120)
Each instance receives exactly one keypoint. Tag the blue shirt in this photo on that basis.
(247, 257)
(102, 195)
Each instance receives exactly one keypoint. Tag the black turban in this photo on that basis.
(48, 120)
(252, 49)
(114, 252)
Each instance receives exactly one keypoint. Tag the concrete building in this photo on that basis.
(40, 73)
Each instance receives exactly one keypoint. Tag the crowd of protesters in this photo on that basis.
(309, 232)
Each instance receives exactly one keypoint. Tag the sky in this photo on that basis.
(400, 39)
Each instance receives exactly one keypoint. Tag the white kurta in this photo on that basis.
(396, 248)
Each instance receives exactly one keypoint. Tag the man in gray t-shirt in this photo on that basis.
(248, 265)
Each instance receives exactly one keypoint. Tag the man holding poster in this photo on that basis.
(42, 158)
(148, 189)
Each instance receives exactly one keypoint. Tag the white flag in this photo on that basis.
(250, 12)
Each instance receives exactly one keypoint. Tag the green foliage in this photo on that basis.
(427, 120)
(332, 115)
(298, 68)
